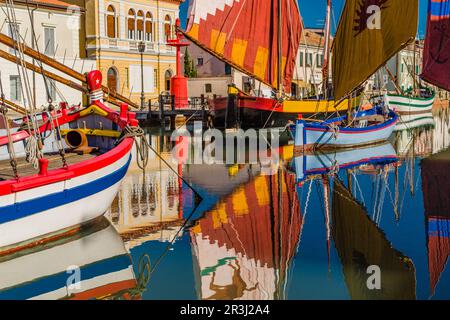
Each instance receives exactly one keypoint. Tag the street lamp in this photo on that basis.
(141, 48)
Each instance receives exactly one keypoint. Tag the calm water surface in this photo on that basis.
(309, 230)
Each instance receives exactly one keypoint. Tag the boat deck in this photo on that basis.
(26, 169)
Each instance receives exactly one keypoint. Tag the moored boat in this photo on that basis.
(404, 104)
(71, 188)
(331, 134)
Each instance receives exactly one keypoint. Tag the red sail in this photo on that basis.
(436, 63)
(244, 34)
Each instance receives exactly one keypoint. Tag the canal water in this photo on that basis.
(370, 223)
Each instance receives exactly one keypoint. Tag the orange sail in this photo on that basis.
(244, 33)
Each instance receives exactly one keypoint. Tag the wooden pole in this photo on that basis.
(60, 67)
(14, 107)
(393, 80)
(7, 56)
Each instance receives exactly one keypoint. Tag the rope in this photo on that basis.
(137, 132)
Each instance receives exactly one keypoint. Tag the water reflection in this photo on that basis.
(91, 263)
(309, 228)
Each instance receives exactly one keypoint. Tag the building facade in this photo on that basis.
(111, 33)
(56, 30)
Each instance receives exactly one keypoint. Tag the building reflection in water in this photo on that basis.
(148, 205)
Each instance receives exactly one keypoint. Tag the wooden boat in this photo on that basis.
(331, 134)
(407, 105)
(96, 254)
(310, 165)
(258, 112)
(353, 63)
(64, 194)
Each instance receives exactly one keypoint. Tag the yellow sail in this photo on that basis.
(369, 34)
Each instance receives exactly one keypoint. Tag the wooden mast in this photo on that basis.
(326, 51)
(280, 50)
(60, 67)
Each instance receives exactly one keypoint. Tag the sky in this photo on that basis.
(313, 13)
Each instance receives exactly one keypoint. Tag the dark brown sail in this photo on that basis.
(360, 244)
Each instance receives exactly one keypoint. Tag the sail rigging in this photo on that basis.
(369, 34)
(244, 34)
(436, 60)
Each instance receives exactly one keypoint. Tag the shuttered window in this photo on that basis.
(49, 41)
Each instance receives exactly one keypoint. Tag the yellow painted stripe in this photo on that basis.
(218, 41)
(238, 51)
(312, 106)
(262, 191)
(219, 216)
(260, 66)
(93, 109)
(239, 200)
(194, 31)
(96, 132)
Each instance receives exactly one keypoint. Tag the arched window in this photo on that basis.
(140, 25)
(111, 22)
(168, 27)
(113, 79)
(148, 27)
(131, 23)
(167, 77)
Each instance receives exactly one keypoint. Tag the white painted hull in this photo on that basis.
(412, 121)
(321, 163)
(70, 214)
(405, 104)
(313, 136)
(43, 272)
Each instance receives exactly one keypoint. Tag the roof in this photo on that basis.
(311, 38)
(49, 4)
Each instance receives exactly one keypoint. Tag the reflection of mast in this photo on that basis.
(360, 244)
(326, 195)
(396, 204)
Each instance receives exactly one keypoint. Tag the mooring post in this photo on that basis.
(202, 102)
(162, 117)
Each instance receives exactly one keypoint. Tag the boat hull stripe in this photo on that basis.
(59, 280)
(27, 208)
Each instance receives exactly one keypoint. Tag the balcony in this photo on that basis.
(127, 45)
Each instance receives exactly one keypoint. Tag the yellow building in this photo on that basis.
(111, 31)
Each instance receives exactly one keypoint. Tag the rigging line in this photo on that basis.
(11, 150)
(33, 38)
(18, 51)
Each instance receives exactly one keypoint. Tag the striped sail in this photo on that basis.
(244, 34)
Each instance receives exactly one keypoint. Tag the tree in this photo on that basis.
(187, 64)
(190, 71)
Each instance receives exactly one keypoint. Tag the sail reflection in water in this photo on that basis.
(243, 247)
(436, 190)
(360, 244)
